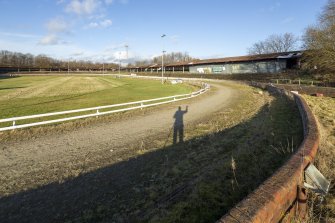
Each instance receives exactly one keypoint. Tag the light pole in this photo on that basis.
(163, 66)
(119, 63)
(126, 46)
(163, 51)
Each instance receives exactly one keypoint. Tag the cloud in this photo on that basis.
(82, 7)
(101, 24)
(93, 25)
(20, 35)
(57, 25)
(106, 23)
(49, 40)
(109, 2)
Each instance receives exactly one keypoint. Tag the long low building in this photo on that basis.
(263, 63)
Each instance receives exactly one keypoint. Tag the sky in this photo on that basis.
(99, 30)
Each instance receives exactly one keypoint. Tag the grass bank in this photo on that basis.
(228, 157)
(324, 110)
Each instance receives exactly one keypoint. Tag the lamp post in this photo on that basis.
(163, 66)
(126, 46)
(119, 63)
(163, 51)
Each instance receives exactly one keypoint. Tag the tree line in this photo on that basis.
(20, 60)
(172, 57)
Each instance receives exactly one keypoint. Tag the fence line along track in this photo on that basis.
(97, 110)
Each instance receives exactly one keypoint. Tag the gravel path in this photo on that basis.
(29, 165)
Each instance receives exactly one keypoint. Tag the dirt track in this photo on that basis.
(48, 160)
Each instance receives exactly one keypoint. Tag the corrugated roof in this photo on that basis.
(260, 57)
(249, 58)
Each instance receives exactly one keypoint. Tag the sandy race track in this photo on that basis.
(50, 178)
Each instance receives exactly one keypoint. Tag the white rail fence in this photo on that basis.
(97, 110)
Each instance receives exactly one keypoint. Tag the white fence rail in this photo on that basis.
(97, 110)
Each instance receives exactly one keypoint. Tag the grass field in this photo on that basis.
(324, 110)
(40, 94)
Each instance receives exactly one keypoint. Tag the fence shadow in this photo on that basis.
(178, 180)
(9, 88)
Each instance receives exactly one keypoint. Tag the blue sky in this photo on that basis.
(99, 29)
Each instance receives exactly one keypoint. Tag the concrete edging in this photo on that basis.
(276, 200)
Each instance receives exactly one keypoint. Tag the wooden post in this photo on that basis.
(302, 202)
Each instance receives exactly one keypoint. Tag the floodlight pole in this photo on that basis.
(163, 66)
(126, 46)
(163, 60)
(119, 63)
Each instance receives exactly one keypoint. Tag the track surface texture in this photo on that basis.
(50, 178)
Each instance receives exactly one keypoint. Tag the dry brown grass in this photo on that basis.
(324, 110)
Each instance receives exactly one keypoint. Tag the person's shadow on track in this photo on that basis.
(178, 127)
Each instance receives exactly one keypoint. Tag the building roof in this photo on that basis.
(284, 55)
(260, 57)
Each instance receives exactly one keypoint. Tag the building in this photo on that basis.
(264, 63)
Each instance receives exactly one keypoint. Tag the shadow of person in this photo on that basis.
(178, 127)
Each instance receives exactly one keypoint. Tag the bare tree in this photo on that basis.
(319, 41)
(174, 57)
(275, 44)
(168, 58)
